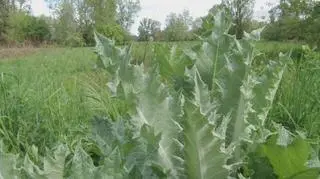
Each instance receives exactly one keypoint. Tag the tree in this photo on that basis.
(127, 11)
(66, 27)
(17, 24)
(4, 16)
(186, 17)
(241, 11)
(23, 27)
(84, 20)
(104, 11)
(178, 26)
(312, 25)
(203, 25)
(113, 31)
(196, 26)
(39, 29)
(109, 17)
(75, 20)
(159, 36)
(293, 20)
(148, 28)
(24, 4)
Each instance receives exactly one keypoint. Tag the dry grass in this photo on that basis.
(8, 53)
(13, 50)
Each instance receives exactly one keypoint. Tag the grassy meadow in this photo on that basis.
(44, 96)
(51, 95)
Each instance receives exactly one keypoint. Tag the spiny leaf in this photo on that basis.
(54, 167)
(107, 52)
(269, 81)
(82, 165)
(8, 164)
(144, 156)
(155, 110)
(203, 155)
(152, 106)
(202, 95)
(32, 170)
(228, 108)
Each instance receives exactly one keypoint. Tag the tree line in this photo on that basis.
(289, 20)
(295, 20)
(72, 22)
(17, 25)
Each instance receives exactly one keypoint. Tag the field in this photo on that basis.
(51, 96)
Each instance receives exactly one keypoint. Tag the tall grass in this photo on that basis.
(42, 98)
(52, 95)
(298, 100)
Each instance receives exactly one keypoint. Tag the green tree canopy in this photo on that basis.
(148, 28)
(178, 26)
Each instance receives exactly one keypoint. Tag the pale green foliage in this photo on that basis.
(203, 155)
(7, 164)
(229, 105)
(204, 131)
(53, 167)
(156, 107)
(242, 94)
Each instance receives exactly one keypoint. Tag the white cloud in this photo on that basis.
(39, 7)
(158, 10)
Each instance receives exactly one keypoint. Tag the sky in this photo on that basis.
(158, 10)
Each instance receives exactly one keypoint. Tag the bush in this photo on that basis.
(113, 31)
(23, 26)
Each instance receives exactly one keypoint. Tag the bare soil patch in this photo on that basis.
(7, 53)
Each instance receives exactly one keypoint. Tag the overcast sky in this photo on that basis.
(159, 9)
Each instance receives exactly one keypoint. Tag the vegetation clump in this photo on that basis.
(199, 113)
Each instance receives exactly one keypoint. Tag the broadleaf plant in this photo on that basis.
(209, 133)
(213, 128)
